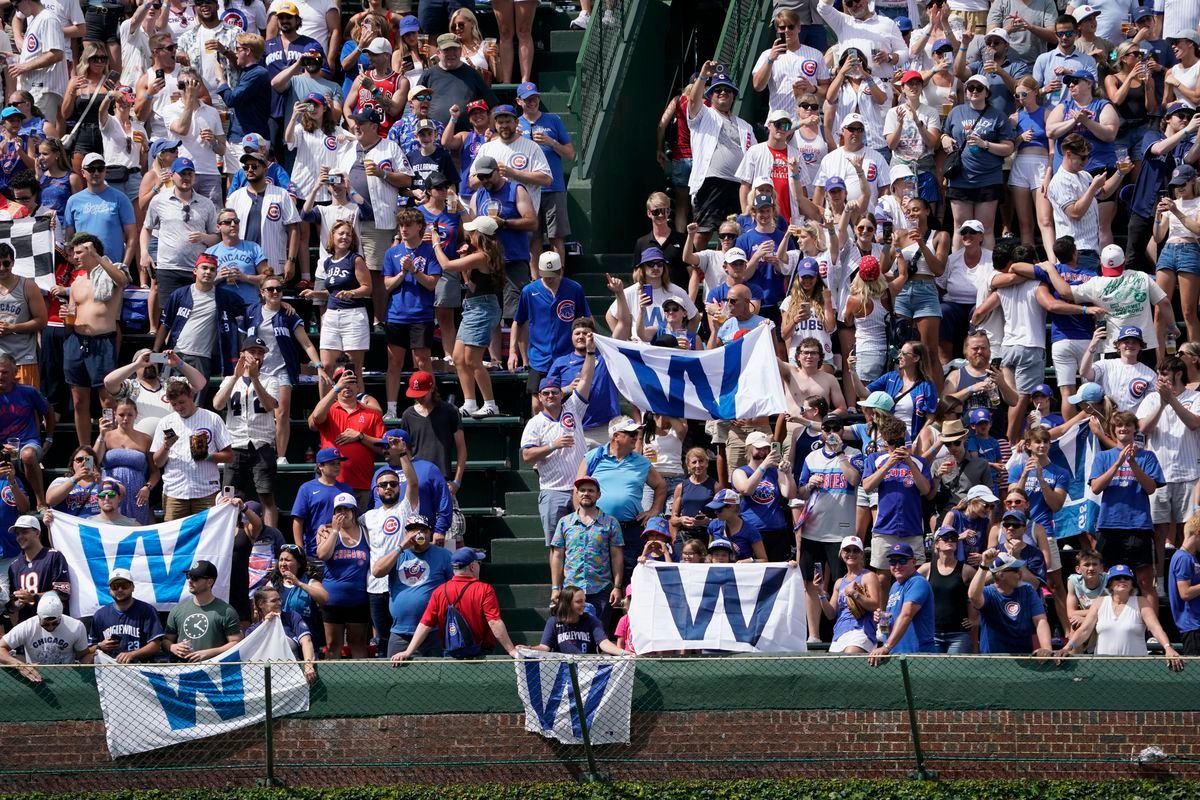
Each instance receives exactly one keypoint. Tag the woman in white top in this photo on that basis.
(475, 52)
(811, 141)
(865, 306)
(1178, 223)
(651, 286)
(921, 43)
(662, 445)
(808, 307)
(941, 87)
(1183, 79)
(125, 143)
(859, 244)
(1121, 621)
(853, 90)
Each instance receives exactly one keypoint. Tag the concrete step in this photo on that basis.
(568, 41)
(497, 574)
(521, 502)
(519, 551)
(529, 595)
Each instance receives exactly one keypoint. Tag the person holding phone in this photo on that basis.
(187, 446)
(76, 493)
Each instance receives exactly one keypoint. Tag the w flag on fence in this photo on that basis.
(606, 686)
(157, 555)
(1074, 451)
(748, 608)
(737, 381)
(148, 707)
(32, 241)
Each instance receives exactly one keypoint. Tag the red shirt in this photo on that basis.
(360, 464)
(781, 178)
(478, 605)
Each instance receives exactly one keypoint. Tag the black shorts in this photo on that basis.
(348, 615)
(253, 470)
(409, 335)
(975, 194)
(534, 381)
(779, 544)
(716, 199)
(827, 553)
(1132, 548)
(1191, 643)
(101, 24)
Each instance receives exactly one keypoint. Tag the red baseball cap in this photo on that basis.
(420, 384)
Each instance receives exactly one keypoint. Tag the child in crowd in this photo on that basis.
(1084, 588)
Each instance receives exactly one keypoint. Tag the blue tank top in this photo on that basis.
(55, 192)
(1032, 121)
(1104, 154)
(470, 148)
(845, 621)
(764, 505)
(346, 573)
(340, 277)
(695, 496)
(514, 244)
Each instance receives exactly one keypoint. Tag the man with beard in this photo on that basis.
(290, 45)
(141, 381)
(413, 570)
(453, 81)
(209, 46)
(385, 525)
(719, 141)
(587, 550)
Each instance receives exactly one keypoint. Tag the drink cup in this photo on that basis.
(68, 313)
(138, 136)
(493, 209)
(947, 108)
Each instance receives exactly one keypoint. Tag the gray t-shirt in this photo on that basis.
(728, 155)
(172, 220)
(199, 332)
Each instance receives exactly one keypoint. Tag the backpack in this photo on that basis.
(457, 640)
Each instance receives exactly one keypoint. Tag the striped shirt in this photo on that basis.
(1178, 15)
(44, 34)
(314, 150)
(184, 478)
(1065, 188)
(556, 472)
(1126, 384)
(385, 531)
(277, 211)
(248, 422)
(1177, 448)
(804, 62)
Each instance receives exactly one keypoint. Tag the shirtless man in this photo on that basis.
(806, 380)
(90, 352)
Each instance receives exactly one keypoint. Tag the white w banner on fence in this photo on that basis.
(749, 608)
(605, 684)
(157, 555)
(1074, 451)
(737, 381)
(148, 707)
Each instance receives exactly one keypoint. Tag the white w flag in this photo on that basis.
(157, 555)
(737, 381)
(749, 608)
(148, 707)
(605, 684)
(1075, 451)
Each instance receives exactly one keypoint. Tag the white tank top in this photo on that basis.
(158, 128)
(870, 332)
(814, 326)
(669, 449)
(1123, 635)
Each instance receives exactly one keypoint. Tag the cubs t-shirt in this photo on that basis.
(1124, 505)
(314, 508)
(1054, 475)
(581, 637)
(918, 638)
(411, 584)
(742, 541)
(1186, 612)
(1007, 620)
(410, 302)
(899, 498)
(763, 506)
(550, 316)
(244, 257)
(134, 628)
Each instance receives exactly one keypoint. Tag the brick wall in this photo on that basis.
(71, 756)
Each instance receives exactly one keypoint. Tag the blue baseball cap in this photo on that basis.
(409, 24)
(724, 499)
(978, 415)
(1118, 571)
(834, 182)
(904, 24)
(1088, 393)
(367, 114)
(900, 550)
(466, 556)
(946, 532)
(1141, 12)
(657, 525)
(1179, 105)
(159, 145)
(942, 44)
(1083, 75)
(501, 110)
(1131, 332)
(326, 454)
(1005, 562)
(720, 79)
(1015, 514)
(651, 254)
(808, 268)
(720, 543)
(181, 164)
(1042, 388)
(527, 89)
(549, 383)
(397, 433)
(416, 521)
(257, 141)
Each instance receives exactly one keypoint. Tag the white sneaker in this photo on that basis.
(580, 23)
(281, 460)
(609, 17)
(486, 411)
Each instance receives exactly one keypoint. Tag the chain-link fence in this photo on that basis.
(712, 717)
(598, 67)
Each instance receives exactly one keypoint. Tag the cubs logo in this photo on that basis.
(518, 161)
(567, 421)
(565, 310)
(391, 525)
(386, 166)
(809, 157)
(274, 212)
(208, 437)
(236, 18)
(414, 572)
(764, 493)
(872, 171)
(331, 143)
(809, 67)
(31, 43)
(362, 419)
(1138, 387)
(823, 268)
(6, 495)
(1012, 609)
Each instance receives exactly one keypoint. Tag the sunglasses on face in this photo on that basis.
(1065, 34)
(783, 125)
(895, 443)
(893, 562)
(1070, 81)
(810, 106)
(973, 88)
(1013, 525)
(726, 236)
(993, 42)
(95, 168)
(658, 212)
(785, 27)
(387, 484)
(228, 222)
(170, 48)
(856, 129)
(722, 90)
(425, 97)
(273, 289)
(108, 493)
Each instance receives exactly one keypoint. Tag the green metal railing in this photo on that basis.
(740, 42)
(598, 67)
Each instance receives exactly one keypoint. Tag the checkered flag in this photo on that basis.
(33, 242)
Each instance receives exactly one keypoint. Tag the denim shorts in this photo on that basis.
(952, 642)
(681, 171)
(480, 317)
(919, 299)
(1180, 257)
(1028, 364)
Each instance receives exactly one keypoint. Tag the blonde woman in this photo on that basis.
(808, 307)
(865, 305)
(81, 105)
(1030, 165)
(465, 25)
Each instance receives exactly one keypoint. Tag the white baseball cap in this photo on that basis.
(345, 500)
(549, 262)
(120, 574)
(485, 225)
(622, 425)
(778, 115)
(1083, 12)
(26, 521)
(999, 33)
(758, 439)
(982, 493)
(50, 606)
(850, 119)
(735, 254)
(1112, 256)
(851, 541)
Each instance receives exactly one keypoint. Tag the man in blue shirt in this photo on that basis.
(901, 479)
(909, 616)
(546, 312)
(1183, 588)
(1011, 612)
(281, 51)
(1124, 478)
(603, 400)
(314, 500)
(1160, 152)
(103, 212)
(238, 259)
(250, 99)
(127, 629)
(413, 571)
(548, 131)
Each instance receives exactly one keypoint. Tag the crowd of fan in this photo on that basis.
(937, 187)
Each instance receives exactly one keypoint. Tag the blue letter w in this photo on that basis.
(685, 368)
(228, 700)
(547, 710)
(166, 579)
(720, 581)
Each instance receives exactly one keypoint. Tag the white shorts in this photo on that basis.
(1055, 555)
(345, 330)
(1066, 356)
(851, 638)
(1172, 503)
(1027, 171)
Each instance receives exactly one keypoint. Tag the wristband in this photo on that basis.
(555, 588)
